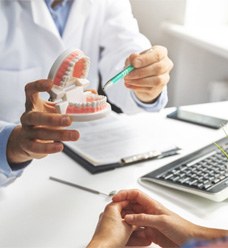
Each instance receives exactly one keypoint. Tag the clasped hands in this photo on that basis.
(134, 219)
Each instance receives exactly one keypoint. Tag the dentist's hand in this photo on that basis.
(151, 73)
(42, 129)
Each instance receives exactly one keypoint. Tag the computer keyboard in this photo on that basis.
(203, 172)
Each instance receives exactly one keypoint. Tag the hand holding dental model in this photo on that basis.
(42, 129)
(43, 123)
(69, 74)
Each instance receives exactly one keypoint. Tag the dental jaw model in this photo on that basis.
(69, 74)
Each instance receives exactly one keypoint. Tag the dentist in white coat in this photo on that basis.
(33, 34)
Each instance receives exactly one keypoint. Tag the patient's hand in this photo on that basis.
(158, 224)
(112, 231)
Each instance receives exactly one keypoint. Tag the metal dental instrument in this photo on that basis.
(82, 187)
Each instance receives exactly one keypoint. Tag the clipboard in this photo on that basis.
(124, 161)
(117, 141)
(86, 164)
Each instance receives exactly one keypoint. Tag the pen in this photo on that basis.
(82, 187)
(149, 155)
(123, 73)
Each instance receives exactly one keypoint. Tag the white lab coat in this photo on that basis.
(30, 42)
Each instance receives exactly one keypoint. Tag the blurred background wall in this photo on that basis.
(197, 41)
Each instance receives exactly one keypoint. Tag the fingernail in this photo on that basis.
(138, 63)
(66, 120)
(74, 135)
(59, 146)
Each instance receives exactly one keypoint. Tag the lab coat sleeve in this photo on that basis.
(119, 38)
(156, 106)
(7, 175)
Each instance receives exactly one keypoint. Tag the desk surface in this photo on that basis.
(37, 212)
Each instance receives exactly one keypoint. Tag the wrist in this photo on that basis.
(99, 243)
(104, 241)
(146, 98)
(210, 233)
(15, 154)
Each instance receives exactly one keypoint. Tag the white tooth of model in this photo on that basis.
(61, 106)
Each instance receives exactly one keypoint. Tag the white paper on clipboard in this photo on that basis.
(110, 139)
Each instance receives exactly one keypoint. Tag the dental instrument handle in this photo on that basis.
(123, 73)
(77, 186)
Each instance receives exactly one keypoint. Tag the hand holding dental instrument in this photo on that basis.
(82, 187)
(123, 73)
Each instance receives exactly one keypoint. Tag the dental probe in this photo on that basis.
(82, 187)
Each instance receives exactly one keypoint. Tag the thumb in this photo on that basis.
(142, 220)
(32, 91)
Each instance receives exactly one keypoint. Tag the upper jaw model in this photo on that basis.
(69, 74)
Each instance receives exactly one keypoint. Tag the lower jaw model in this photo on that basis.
(69, 74)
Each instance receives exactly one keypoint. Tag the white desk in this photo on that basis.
(37, 212)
